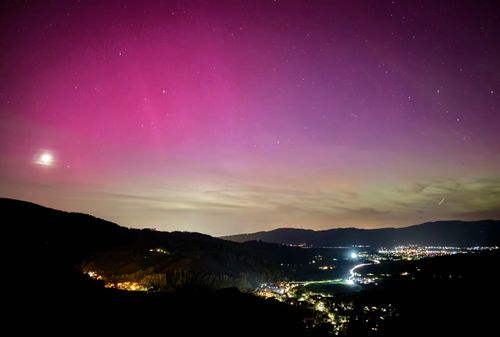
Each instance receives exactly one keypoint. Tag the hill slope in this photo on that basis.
(44, 237)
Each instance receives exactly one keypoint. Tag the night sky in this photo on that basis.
(239, 116)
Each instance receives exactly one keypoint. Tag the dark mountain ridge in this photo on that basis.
(445, 233)
(42, 237)
(47, 250)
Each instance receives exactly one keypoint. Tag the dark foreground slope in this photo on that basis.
(123, 254)
(447, 233)
(47, 292)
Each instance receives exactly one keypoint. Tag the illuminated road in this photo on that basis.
(356, 267)
(353, 269)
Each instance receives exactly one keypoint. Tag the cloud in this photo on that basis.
(232, 205)
(223, 207)
(463, 197)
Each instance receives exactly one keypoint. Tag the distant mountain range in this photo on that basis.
(446, 233)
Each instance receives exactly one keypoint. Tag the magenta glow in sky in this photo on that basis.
(228, 117)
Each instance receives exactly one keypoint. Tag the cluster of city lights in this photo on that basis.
(413, 252)
(126, 285)
(335, 313)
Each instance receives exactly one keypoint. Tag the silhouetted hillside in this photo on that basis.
(164, 260)
(48, 250)
(449, 233)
